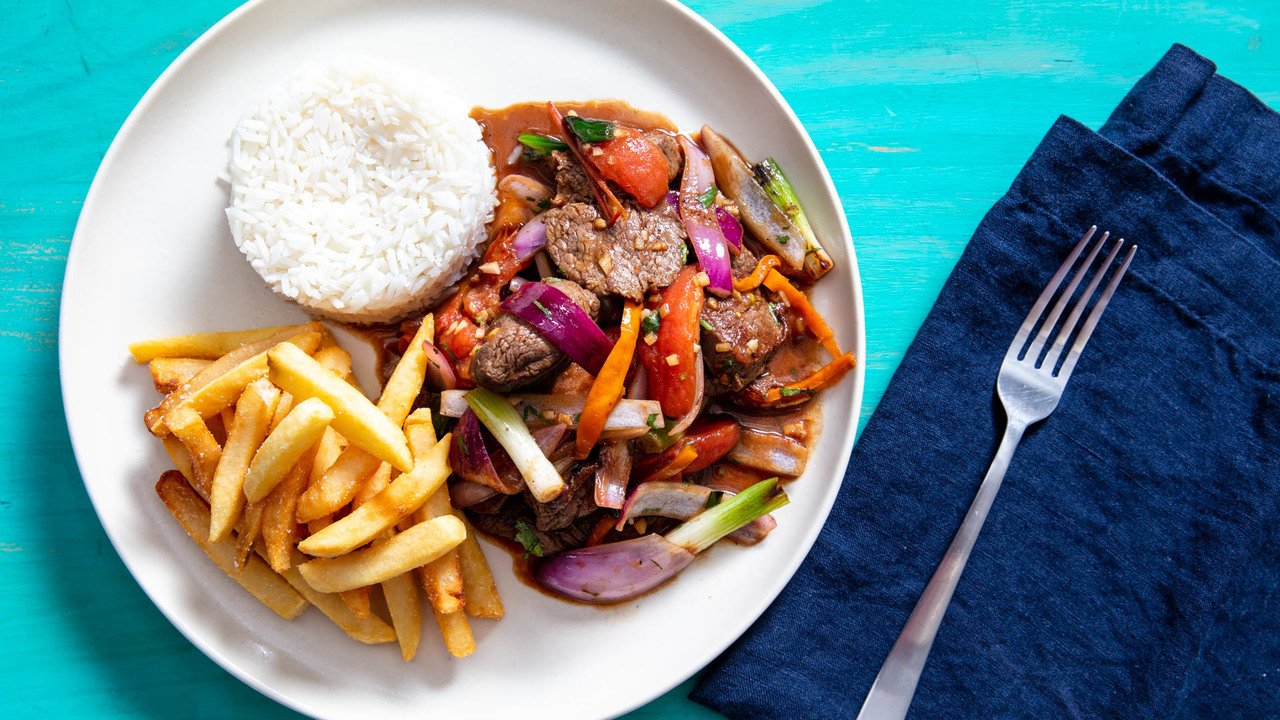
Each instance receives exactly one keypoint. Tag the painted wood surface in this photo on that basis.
(923, 111)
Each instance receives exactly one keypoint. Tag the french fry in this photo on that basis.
(264, 584)
(406, 612)
(248, 429)
(205, 452)
(168, 374)
(155, 418)
(405, 382)
(477, 581)
(442, 578)
(357, 419)
(249, 531)
(376, 483)
(222, 392)
(368, 629)
(456, 631)
(416, 546)
(285, 445)
(209, 346)
(336, 360)
(398, 500)
(338, 484)
(280, 519)
(283, 408)
(358, 601)
(179, 455)
(327, 451)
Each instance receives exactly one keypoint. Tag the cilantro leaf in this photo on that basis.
(525, 536)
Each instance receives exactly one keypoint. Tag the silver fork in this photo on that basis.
(1029, 390)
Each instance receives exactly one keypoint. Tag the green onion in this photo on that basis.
(543, 309)
(540, 145)
(708, 526)
(510, 431)
(655, 441)
(652, 421)
(776, 186)
(651, 322)
(714, 498)
(589, 130)
(708, 197)
(525, 536)
(789, 392)
(705, 325)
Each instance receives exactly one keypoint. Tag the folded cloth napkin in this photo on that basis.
(1128, 568)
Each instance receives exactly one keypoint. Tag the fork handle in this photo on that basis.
(895, 684)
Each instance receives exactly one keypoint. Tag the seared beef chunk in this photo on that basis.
(514, 354)
(666, 142)
(574, 381)
(743, 335)
(572, 184)
(502, 523)
(742, 264)
(642, 251)
(577, 500)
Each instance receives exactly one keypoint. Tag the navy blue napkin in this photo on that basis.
(1129, 567)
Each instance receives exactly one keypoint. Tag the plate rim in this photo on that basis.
(761, 602)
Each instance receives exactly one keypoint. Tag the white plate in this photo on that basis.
(152, 256)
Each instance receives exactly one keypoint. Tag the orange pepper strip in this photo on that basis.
(752, 281)
(602, 528)
(676, 466)
(824, 378)
(775, 282)
(607, 388)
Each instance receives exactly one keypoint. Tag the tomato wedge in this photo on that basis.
(636, 164)
(672, 360)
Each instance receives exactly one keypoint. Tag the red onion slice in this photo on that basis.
(771, 452)
(439, 370)
(699, 399)
(549, 437)
(700, 221)
(612, 477)
(730, 226)
(470, 459)
(464, 494)
(681, 501)
(613, 572)
(566, 325)
(530, 239)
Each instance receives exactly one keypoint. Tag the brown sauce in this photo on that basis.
(501, 127)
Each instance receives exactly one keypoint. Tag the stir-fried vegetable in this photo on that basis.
(610, 208)
(470, 459)
(613, 475)
(510, 431)
(539, 145)
(775, 184)
(671, 362)
(628, 415)
(636, 164)
(681, 501)
(775, 282)
(530, 239)
(731, 228)
(439, 370)
(829, 375)
(762, 268)
(710, 440)
(700, 220)
(561, 321)
(761, 216)
(774, 453)
(610, 382)
(590, 130)
(619, 571)
(684, 457)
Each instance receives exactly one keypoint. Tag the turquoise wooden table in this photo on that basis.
(923, 111)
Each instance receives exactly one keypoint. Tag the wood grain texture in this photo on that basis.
(923, 111)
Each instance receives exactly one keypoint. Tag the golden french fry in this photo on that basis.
(168, 374)
(416, 546)
(248, 429)
(216, 369)
(209, 346)
(205, 452)
(441, 578)
(181, 458)
(319, 524)
(477, 581)
(405, 383)
(222, 392)
(338, 484)
(376, 483)
(283, 408)
(355, 417)
(406, 612)
(249, 531)
(327, 451)
(368, 628)
(456, 631)
(191, 512)
(285, 445)
(280, 519)
(357, 600)
(336, 360)
(397, 501)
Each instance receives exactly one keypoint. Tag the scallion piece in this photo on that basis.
(540, 144)
(707, 527)
(495, 413)
(590, 130)
(775, 185)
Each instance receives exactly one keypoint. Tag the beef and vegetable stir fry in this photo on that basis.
(630, 365)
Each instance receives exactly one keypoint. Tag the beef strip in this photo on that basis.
(574, 381)
(666, 142)
(514, 354)
(642, 251)
(572, 185)
(743, 263)
(502, 523)
(733, 359)
(577, 499)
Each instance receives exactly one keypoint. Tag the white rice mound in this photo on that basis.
(360, 189)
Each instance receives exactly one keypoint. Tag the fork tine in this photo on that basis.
(1033, 351)
(1092, 321)
(1059, 342)
(1019, 339)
